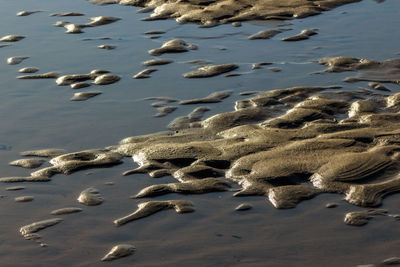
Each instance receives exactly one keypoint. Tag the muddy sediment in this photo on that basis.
(144, 74)
(210, 71)
(387, 71)
(47, 75)
(27, 12)
(15, 60)
(303, 35)
(156, 62)
(213, 13)
(271, 145)
(37, 226)
(212, 98)
(148, 208)
(266, 34)
(11, 38)
(28, 70)
(359, 218)
(256, 156)
(75, 28)
(171, 46)
(285, 145)
(28, 163)
(24, 199)
(64, 211)
(90, 197)
(119, 251)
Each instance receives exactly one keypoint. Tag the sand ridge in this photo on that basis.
(214, 12)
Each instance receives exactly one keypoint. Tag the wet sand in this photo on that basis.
(38, 114)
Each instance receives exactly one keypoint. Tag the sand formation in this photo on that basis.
(286, 144)
(214, 12)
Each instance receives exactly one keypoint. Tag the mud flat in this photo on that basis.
(290, 158)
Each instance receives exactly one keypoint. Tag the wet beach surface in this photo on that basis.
(37, 114)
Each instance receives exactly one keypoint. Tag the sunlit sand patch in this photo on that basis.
(287, 145)
(119, 251)
(67, 210)
(266, 34)
(27, 13)
(303, 35)
(61, 23)
(387, 71)
(201, 186)
(79, 85)
(210, 71)
(243, 207)
(259, 65)
(11, 38)
(67, 14)
(164, 111)
(66, 163)
(24, 199)
(90, 197)
(106, 79)
(107, 47)
(15, 188)
(148, 208)
(156, 62)
(391, 260)
(308, 134)
(73, 28)
(28, 163)
(144, 74)
(189, 121)
(15, 60)
(47, 75)
(172, 46)
(212, 98)
(32, 228)
(99, 71)
(101, 20)
(217, 12)
(94, 22)
(331, 205)
(47, 153)
(359, 218)
(28, 70)
(24, 179)
(96, 75)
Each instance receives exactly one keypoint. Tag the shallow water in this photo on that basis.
(37, 114)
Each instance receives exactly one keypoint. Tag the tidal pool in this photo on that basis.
(37, 114)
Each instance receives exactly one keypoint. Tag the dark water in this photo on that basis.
(37, 114)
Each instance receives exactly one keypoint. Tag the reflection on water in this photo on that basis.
(38, 114)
